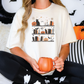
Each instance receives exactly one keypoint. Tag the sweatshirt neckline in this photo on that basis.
(43, 9)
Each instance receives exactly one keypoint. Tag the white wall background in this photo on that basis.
(77, 5)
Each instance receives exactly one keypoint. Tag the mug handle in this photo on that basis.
(53, 66)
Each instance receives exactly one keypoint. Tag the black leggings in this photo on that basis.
(11, 65)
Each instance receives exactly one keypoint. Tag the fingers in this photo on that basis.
(36, 65)
(61, 69)
(36, 68)
(56, 58)
(58, 68)
(59, 61)
(59, 64)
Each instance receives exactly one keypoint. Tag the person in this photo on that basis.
(40, 29)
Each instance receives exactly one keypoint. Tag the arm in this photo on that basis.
(64, 52)
(68, 36)
(59, 61)
(19, 52)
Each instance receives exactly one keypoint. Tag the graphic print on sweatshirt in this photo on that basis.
(42, 29)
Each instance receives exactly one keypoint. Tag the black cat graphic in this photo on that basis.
(37, 22)
(82, 30)
(72, 12)
(81, 24)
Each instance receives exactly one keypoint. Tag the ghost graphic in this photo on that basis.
(47, 81)
(27, 78)
(62, 79)
(37, 82)
(56, 78)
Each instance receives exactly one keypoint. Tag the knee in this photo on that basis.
(1, 53)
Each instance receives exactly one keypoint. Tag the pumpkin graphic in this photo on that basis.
(34, 23)
(42, 32)
(79, 31)
(45, 39)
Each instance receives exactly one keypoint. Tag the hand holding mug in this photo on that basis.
(59, 64)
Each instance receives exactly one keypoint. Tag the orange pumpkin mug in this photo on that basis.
(45, 64)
